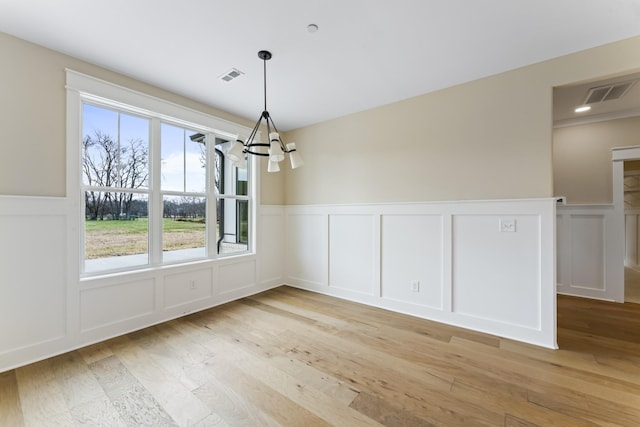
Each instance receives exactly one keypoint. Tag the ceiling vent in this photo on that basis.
(230, 75)
(607, 93)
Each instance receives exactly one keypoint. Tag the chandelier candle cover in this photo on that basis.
(275, 149)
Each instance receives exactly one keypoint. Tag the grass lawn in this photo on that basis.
(116, 238)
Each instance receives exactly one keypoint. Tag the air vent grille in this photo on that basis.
(607, 93)
(230, 75)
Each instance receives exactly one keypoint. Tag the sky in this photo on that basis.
(181, 166)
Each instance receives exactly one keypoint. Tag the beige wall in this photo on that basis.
(32, 119)
(487, 139)
(582, 158)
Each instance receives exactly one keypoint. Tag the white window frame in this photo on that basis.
(81, 89)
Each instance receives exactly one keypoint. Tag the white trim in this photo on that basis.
(625, 153)
(101, 91)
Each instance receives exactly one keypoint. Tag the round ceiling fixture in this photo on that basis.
(312, 28)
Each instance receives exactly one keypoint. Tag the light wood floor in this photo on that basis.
(631, 285)
(293, 358)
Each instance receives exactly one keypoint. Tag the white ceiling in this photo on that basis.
(366, 53)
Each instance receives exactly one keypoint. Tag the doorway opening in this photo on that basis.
(631, 199)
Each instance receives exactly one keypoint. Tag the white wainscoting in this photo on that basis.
(632, 238)
(33, 276)
(487, 265)
(45, 309)
(586, 242)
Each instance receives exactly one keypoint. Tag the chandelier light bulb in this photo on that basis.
(296, 159)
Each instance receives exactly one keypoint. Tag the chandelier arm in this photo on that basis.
(254, 131)
(268, 129)
(275, 129)
(257, 153)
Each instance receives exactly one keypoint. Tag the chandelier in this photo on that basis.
(276, 148)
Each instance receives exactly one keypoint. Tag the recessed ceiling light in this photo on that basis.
(312, 28)
(583, 109)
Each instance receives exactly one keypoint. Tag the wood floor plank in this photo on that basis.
(135, 405)
(175, 355)
(176, 399)
(387, 414)
(10, 407)
(41, 398)
(271, 405)
(278, 357)
(322, 406)
(541, 377)
(527, 411)
(95, 352)
(85, 398)
(230, 405)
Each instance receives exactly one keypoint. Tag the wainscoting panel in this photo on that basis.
(270, 244)
(33, 261)
(108, 305)
(561, 247)
(235, 276)
(485, 265)
(412, 259)
(587, 251)
(307, 248)
(352, 253)
(586, 255)
(496, 268)
(183, 288)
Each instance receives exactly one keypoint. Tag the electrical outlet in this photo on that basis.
(507, 225)
(415, 286)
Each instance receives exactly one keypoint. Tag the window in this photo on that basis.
(183, 186)
(157, 189)
(115, 169)
(232, 203)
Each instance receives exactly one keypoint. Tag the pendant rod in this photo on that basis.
(264, 74)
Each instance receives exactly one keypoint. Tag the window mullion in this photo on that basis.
(155, 197)
(212, 237)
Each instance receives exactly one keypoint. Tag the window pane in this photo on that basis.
(229, 178)
(232, 225)
(243, 220)
(134, 152)
(172, 152)
(196, 162)
(116, 230)
(115, 149)
(99, 146)
(183, 228)
(241, 182)
(218, 172)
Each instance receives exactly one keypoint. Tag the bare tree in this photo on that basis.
(105, 163)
